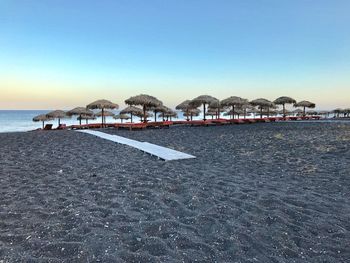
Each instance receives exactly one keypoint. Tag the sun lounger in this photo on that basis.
(131, 126)
(220, 121)
(48, 127)
(62, 127)
(159, 124)
(236, 121)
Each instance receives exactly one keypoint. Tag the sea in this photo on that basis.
(22, 120)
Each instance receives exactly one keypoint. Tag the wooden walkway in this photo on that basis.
(163, 153)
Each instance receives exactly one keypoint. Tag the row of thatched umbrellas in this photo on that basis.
(236, 103)
(211, 106)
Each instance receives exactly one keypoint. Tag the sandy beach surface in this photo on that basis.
(275, 192)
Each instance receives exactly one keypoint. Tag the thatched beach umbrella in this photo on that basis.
(102, 105)
(262, 103)
(192, 112)
(233, 102)
(142, 116)
(202, 100)
(167, 112)
(185, 107)
(86, 118)
(338, 111)
(215, 106)
(146, 101)
(312, 112)
(305, 104)
(346, 112)
(247, 109)
(132, 110)
(42, 118)
(159, 109)
(237, 111)
(104, 114)
(283, 112)
(80, 111)
(57, 114)
(212, 113)
(121, 117)
(283, 101)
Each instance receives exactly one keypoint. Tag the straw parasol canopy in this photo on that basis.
(42, 118)
(202, 100)
(159, 109)
(297, 111)
(86, 118)
(132, 110)
(323, 112)
(312, 112)
(146, 101)
(284, 112)
(305, 104)
(121, 117)
(185, 107)
(80, 111)
(142, 116)
(167, 112)
(346, 112)
(211, 113)
(105, 114)
(102, 104)
(237, 111)
(215, 106)
(233, 102)
(283, 101)
(57, 114)
(262, 103)
(338, 111)
(247, 109)
(192, 112)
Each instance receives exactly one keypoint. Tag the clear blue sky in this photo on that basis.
(60, 53)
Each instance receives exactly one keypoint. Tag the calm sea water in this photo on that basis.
(21, 120)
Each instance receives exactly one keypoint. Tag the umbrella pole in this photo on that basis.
(102, 116)
(43, 124)
(233, 111)
(155, 116)
(261, 112)
(59, 121)
(80, 119)
(304, 111)
(284, 111)
(144, 113)
(131, 117)
(187, 116)
(204, 109)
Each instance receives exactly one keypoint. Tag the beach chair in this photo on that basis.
(62, 127)
(220, 121)
(48, 127)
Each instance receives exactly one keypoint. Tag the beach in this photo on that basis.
(265, 192)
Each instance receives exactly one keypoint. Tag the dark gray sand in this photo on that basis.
(276, 192)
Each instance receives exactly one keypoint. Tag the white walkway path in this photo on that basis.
(156, 150)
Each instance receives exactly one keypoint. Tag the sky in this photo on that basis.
(60, 54)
